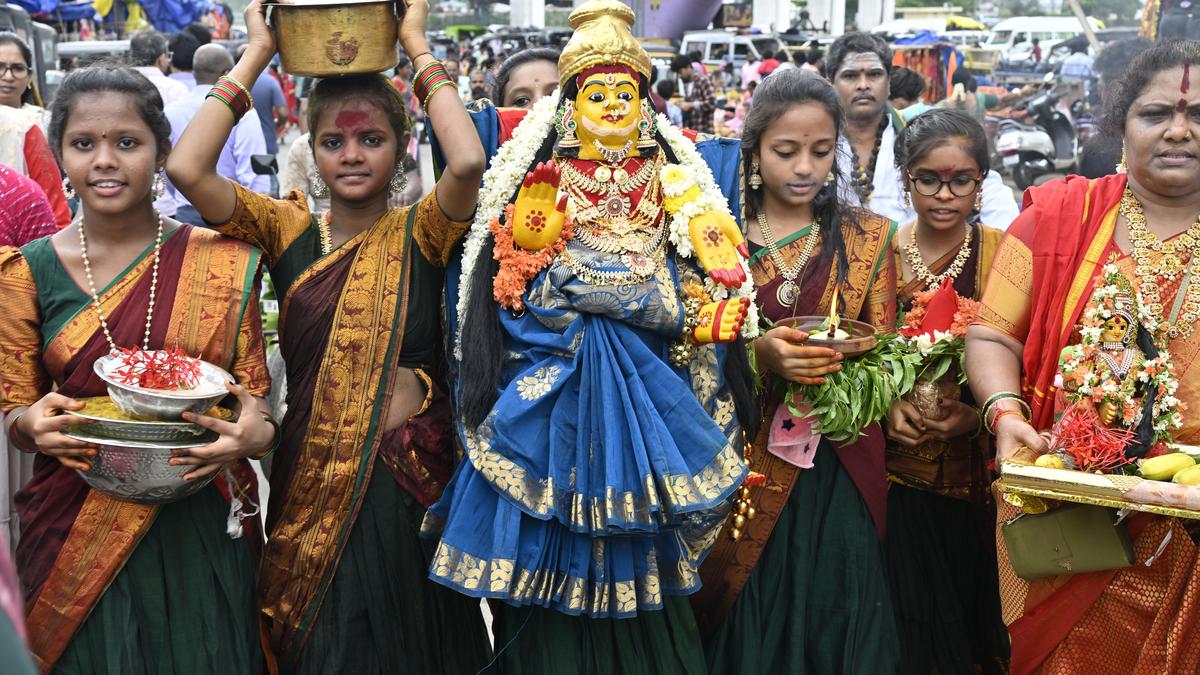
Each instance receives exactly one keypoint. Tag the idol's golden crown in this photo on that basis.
(603, 35)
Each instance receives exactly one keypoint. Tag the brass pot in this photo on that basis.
(328, 40)
(929, 397)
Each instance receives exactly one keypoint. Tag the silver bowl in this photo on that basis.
(139, 472)
(164, 405)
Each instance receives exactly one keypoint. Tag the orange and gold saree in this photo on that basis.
(1134, 620)
(76, 542)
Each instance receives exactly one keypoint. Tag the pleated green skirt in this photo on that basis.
(942, 565)
(382, 614)
(817, 602)
(542, 641)
(183, 604)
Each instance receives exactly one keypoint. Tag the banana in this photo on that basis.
(1189, 476)
(1164, 467)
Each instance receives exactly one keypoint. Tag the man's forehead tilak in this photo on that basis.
(860, 61)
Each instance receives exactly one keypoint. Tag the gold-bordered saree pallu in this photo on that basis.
(869, 293)
(1140, 619)
(75, 540)
(333, 444)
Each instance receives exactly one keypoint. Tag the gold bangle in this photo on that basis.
(439, 85)
(237, 84)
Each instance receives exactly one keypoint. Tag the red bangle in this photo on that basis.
(1002, 413)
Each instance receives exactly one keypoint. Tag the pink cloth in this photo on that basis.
(25, 213)
(793, 438)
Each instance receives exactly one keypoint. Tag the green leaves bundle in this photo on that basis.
(861, 392)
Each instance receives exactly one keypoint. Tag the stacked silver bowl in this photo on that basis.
(132, 461)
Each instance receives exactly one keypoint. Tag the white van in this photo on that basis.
(1013, 38)
(718, 46)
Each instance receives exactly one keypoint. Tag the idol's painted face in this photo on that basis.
(608, 106)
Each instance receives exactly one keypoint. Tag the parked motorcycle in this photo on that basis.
(1046, 148)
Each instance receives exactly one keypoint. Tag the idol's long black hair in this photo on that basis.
(483, 338)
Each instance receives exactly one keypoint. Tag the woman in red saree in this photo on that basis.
(112, 586)
(366, 438)
(1139, 619)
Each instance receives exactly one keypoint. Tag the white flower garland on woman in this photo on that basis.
(690, 183)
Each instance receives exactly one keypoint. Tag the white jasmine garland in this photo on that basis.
(508, 169)
(512, 161)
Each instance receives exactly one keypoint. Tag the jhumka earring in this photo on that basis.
(158, 187)
(1123, 166)
(907, 200)
(566, 126)
(647, 127)
(68, 189)
(755, 181)
(318, 187)
(979, 201)
(399, 180)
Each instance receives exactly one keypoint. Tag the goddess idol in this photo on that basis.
(599, 372)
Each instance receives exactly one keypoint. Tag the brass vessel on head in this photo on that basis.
(331, 39)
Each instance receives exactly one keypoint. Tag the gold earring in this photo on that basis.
(979, 200)
(647, 126)
(1123, 166)
(566, 126)
(755, 178)
(907, 200)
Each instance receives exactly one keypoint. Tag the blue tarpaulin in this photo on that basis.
(168, 16)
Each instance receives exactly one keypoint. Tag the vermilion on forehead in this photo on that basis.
(353, 122)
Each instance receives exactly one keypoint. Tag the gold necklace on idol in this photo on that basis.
(913, 254)
(1150, 274)
(789, 290)
(91, 282)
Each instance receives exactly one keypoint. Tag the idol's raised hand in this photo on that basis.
(539, 213)
(720, 321)
(720, 247)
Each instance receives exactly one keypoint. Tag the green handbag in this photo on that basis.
(1072, 538)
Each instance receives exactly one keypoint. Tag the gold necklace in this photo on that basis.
(922, 270)
(611, 185)
(87, 270)
(788, 291)
(1169, 267)
(323, 231)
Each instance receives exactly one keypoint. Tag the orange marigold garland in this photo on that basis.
(518, 266)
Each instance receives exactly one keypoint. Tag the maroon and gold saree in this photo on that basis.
(76, 541)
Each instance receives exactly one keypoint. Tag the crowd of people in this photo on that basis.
(559, 381)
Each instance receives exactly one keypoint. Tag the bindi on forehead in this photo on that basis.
(1184, 84)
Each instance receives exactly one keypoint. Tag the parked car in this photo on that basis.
(1014, 37)
(716, 47)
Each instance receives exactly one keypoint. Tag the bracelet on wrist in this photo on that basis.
(275, 440)
(1000, 415)
(16, 438)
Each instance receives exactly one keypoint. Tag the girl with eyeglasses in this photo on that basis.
(23, 143)
(941, 551)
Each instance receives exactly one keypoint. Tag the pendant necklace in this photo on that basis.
(87, 270)
(789, 290)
